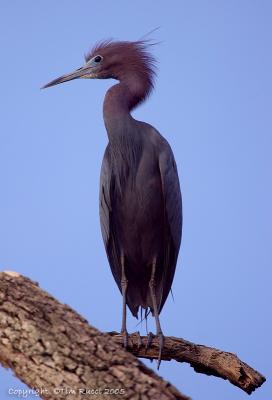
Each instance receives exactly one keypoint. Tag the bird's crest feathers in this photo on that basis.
(133, 56)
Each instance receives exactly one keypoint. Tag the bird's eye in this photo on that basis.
(97, 59)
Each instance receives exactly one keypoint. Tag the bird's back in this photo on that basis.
(140, 212)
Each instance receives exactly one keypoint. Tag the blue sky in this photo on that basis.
(212, 102)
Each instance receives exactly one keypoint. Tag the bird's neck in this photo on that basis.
(120, 99)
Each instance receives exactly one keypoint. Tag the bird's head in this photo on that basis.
(117, 60)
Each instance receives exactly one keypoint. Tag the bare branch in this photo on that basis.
(206, 360)
(50, 347)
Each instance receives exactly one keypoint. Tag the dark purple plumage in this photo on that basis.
(140, 199)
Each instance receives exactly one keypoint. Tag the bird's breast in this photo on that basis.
(138, 211)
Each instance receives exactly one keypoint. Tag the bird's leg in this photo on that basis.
(124, 284)
(156, 313)
(139, 340)
(149, 340)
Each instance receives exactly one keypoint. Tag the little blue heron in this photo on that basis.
(140, 198)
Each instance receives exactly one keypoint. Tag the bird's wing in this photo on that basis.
(173, 216)
(105, 212)
(104, 198)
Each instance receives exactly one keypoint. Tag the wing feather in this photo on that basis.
(105, 212)
(104, 199)
(173, 215)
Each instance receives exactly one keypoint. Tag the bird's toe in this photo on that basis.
(161, 344)
(139, 340)
(150, 337)
(125, 338)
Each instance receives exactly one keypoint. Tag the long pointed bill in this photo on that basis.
(82, 72)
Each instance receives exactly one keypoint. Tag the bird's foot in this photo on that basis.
(150, 336)
(139, 340)
(125, 338)
(160, 337)
(161, 344)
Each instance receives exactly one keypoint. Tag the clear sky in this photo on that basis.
(212, 102)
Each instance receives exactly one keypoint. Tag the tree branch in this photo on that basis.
(206, 360)
(51, 348)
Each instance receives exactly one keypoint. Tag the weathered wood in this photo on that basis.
(53, 350)
(206, 360)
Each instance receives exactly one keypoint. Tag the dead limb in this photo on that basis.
(50, 347)
(206, 360)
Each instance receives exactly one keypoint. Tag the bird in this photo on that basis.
(140, 203)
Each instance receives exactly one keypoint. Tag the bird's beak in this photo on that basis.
(83, 72)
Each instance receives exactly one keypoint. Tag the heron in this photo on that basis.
(140, 202)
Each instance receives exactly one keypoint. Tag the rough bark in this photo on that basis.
(206, 360)
(53, 350)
